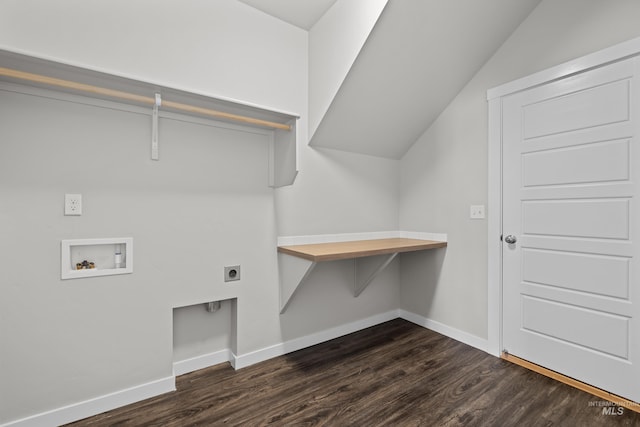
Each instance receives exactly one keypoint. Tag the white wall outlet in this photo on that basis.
(73, 204)
(476, 212)
(232, 273)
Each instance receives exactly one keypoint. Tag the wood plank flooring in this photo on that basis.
(393, 374)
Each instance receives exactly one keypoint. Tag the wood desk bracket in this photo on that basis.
(370, 257)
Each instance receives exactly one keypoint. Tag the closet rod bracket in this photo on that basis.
(154, 128)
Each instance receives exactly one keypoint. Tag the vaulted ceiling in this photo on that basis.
(417, 58)
(301, 13)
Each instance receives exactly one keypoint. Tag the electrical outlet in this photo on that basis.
(73, 204)
(232, 273)
(476, 212)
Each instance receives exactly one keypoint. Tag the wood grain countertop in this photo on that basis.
(358, 248)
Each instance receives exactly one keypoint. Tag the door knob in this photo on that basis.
(510, 239)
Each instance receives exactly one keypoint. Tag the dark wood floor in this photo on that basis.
(394, 374)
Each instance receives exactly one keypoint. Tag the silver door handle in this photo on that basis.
(510, 239)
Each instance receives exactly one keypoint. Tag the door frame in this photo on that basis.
(494, 218)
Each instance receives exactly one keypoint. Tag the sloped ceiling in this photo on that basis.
(301, 13)
(418, 57)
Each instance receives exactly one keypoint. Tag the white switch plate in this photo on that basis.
(73, 204)
(476, 212)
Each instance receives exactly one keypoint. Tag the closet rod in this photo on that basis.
(51, 81)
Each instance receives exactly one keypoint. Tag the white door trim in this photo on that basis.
(494, 96)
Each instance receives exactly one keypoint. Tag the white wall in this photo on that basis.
(204, 205)
(334, 43)
(220, 47)
(446, 169)
(189, 215)
(197, 332)
(338, 192)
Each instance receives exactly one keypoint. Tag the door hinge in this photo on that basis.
(501, 237)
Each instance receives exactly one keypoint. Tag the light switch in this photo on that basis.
(476, 212)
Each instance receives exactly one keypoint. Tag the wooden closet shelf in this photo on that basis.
(359, 248)
(65, 81)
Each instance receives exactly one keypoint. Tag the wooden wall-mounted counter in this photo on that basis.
(357, 249)
(371, 257)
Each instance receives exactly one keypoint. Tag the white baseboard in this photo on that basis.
(248, 359)
(87, 408)
(200, 362)
(267, 353)
(117, 399)
(441, 328)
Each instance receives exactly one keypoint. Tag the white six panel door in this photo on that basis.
(570, 281)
